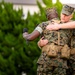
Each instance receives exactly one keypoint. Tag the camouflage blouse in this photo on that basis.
(60, 37)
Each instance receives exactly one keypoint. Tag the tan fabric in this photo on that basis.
(65, 52)
(52, 50)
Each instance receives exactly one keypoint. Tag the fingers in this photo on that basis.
(25, 35)
(43, 42)
(55, 26)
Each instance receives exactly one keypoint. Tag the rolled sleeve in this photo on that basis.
(39, 29)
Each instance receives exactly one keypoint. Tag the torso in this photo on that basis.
(62, 36)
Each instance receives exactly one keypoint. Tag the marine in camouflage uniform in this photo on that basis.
(71, 61)
(55, 66)
(51, 65)
(72, 57)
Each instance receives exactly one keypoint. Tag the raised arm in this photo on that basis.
(69, 25)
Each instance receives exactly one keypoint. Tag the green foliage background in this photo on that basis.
(16, 57)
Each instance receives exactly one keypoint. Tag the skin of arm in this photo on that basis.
(31, 36)
(42, 42)
(69, 25)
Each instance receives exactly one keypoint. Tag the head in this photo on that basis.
(51, 13)
(66, 13)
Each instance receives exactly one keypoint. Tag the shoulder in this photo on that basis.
(56, 21)
(44, 23)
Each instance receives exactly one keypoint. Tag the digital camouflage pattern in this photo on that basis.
(49, 65)
(73, 39)
(72, 57)
(67, 10)
(53, 65)
(52, 36)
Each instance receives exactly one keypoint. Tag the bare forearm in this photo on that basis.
(31, 36)
(69, 25)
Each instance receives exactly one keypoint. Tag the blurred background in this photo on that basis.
(31, 5)
(16, 56)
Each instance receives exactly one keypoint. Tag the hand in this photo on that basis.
(42, 42)
(54, 26)
(25, 35)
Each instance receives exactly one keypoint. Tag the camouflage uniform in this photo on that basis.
(72, 57)
(71, 61)
(49, 65)
(53, 65)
